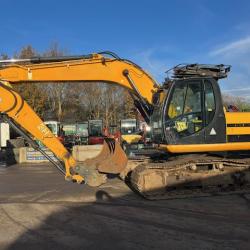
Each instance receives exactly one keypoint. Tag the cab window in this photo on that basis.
(209, 102)
(177, 103)
(184, 113)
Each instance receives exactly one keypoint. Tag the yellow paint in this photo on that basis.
(131, 138)
(6, 84)
(237, 118)
(95, 69)
(196, 148)
(231, 118)
(19, 110)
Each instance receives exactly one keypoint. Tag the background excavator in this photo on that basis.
(207, 146)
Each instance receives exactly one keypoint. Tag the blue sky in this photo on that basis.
(155, 34)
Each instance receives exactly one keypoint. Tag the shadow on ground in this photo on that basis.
(129, 222)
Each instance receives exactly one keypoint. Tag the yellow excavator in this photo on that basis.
(207, 146)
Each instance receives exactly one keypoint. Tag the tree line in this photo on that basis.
(71, 102)
(240, 102)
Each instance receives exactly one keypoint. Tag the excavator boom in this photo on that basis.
(95, 68)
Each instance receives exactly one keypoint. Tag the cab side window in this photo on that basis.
(209, 102)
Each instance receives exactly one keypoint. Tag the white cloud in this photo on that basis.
(237, 54)
(156, 60)
(239, 46)
(237, 89)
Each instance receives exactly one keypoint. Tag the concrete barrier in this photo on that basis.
(81, 153)
(29, 155)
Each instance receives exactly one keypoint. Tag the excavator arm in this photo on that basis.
(16, 111)
(90, 68)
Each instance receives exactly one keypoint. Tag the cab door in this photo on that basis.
(190, 113)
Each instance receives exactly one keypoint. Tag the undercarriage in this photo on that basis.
(191, 176)
(175, 176)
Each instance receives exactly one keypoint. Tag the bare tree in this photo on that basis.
(33, 92)
(3, 56)
(240, 102)
(75, 101)
(57, 92)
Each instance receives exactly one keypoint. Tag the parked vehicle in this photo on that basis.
(96, 132)
(57, 129)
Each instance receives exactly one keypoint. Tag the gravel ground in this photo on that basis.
(39, 210)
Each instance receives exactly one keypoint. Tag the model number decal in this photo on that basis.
(44, 130)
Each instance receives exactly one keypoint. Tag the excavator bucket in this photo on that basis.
(112, 159)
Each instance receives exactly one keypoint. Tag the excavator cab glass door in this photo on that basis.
(189, 112)
(184, 115)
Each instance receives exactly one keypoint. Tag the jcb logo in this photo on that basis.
(44, 130)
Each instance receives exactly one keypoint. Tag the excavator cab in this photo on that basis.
(189, 108)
